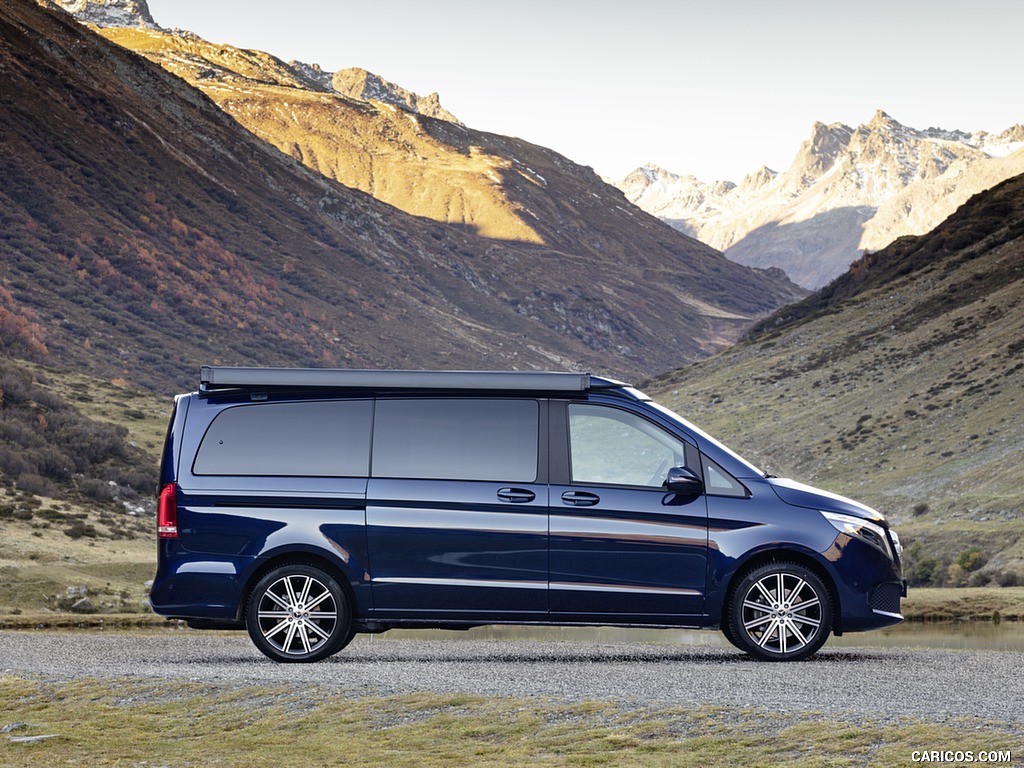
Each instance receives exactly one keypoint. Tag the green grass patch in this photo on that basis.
(138, 721)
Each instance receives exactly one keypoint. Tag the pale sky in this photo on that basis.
(714, 88)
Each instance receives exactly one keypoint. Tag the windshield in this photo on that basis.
(704, 436)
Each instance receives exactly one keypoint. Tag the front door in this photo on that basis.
(620, 544)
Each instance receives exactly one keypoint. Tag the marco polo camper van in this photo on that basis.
(308, 505)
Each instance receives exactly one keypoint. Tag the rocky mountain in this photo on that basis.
(848, 190)
(107, 13)
(360, 84)
(143, 232)
(354, 82)
(356, 128)
(497, 187)
(901, 384)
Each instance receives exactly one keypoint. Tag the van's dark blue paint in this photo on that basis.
(455, 549)
(743, 530)
(632, 553)
(415, 552)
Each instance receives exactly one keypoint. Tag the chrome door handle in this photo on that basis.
(516, 495)
(580, 498)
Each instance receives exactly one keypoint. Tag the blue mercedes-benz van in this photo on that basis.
(306, 505)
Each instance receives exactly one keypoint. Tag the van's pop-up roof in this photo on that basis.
(229, 377)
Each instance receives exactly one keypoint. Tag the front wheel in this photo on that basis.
(727, 631)
(780, 612)
(298, 613)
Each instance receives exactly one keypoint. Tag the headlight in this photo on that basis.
(866, 531)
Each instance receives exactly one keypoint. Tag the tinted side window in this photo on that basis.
(456, 440)
(317, 439)
(614, 447)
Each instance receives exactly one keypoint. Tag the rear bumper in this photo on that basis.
(200, 588)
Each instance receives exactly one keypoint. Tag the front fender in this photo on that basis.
(725, 572)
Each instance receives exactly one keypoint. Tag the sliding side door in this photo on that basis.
(457, 507)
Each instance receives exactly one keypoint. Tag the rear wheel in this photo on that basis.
(780, 612)
(298, 613)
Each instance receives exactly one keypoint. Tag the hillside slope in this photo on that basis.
(901, 384)
(499, 187)
(145, 232)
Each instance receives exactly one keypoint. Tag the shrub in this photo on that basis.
(12, 463)
(923, 570)
(78, 529)
(1007, 579)
(54, 463)
(956, 575)
(95, 489)
(979, 579)
(22, 512)
(971, 559)
(36, 485)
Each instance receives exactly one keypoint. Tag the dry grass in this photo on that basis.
(970, 604)
(139, 722)
(39, 561)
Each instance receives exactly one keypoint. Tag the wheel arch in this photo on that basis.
(788, 555)
(310, 557)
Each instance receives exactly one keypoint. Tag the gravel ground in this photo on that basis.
(854, 684)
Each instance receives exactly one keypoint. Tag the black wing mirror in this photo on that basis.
(684, 482)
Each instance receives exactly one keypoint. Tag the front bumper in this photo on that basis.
(885, 598)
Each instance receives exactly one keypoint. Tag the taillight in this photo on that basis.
(167, 512)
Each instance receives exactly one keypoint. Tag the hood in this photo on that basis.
(800, 495)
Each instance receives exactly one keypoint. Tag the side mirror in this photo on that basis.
(684, 482)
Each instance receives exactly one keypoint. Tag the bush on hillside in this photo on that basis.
(49, 448)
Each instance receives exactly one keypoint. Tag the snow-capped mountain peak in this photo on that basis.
(816, 217)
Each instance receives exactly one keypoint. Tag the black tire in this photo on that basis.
(348, 638)
(298, 613)
(727, 631)
(779, 612)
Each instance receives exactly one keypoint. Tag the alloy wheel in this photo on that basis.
(298, 613)
(781, 612)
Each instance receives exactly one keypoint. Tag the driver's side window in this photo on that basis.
(610, 446)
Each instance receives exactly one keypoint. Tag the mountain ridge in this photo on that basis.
(361, 84)
(847, 190)
(355, 82)
(146, 232)
(107, 13)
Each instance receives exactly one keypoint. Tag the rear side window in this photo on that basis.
(456, 440)
(317, 439)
